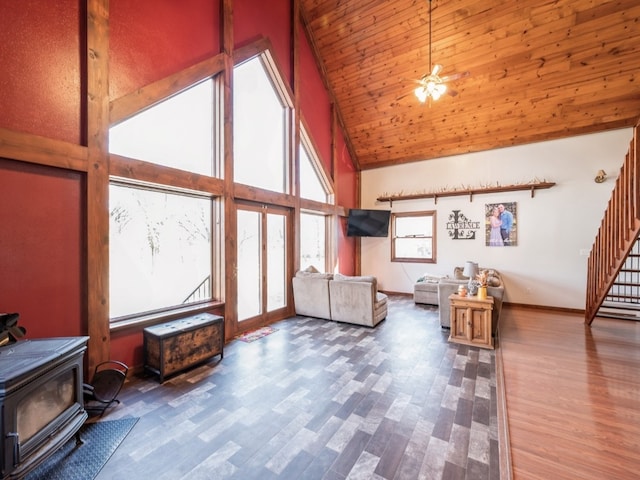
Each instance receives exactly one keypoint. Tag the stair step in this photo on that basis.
(618, 316)
(621, 306)
(627, 297)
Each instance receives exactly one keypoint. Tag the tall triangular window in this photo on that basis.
(261, 113)
(314, 184)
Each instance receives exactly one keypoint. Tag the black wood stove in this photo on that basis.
(41, 397)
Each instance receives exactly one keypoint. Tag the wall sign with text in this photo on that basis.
(460, 227)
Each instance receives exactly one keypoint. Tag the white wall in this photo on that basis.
(555, 228)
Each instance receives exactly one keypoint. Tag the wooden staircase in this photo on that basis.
(613, 270)
(623, 298)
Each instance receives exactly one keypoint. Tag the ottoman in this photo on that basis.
(425, 289)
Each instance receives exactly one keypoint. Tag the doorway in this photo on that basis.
(263, 240)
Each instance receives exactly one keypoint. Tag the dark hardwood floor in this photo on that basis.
(573, 395)
(320, 400)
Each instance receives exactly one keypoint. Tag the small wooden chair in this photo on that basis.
(107, 382)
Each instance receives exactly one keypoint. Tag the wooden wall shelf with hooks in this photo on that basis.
(467, 191)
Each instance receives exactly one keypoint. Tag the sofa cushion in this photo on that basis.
(493, 278)
(430, 278)
(363, 278)
(458, 275)
(305, 274)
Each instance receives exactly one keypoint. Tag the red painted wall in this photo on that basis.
(254, 19)
(315, 103)
(40, 59)
(347, 183)
(41, 248)
(151, 39)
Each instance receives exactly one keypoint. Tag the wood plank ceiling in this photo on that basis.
(538, 70)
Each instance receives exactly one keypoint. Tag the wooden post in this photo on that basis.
(97, 182)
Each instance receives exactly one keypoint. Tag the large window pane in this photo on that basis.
(311, 186)
(414, 248)
(277, 261)
(313, 241)
(160, 249)
(418, 226)
(177, 132)
(249, 278)
(259, 129)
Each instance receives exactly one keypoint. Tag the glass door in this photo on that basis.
(262, 243)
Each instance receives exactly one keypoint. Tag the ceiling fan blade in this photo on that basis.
(436, 69)
(455, 76)
(403, 96)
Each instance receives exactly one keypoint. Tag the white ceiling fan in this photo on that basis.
(432, 86)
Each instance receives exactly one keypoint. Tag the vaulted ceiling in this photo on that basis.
(538, 70)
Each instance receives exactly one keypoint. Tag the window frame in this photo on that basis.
(328, 235)
(137, 173)
(271, 71)
(306, 144)
(424, 213)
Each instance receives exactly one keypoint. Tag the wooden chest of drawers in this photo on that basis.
(179, 344)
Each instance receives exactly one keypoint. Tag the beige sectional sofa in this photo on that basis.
(425, 289)
(339, 297)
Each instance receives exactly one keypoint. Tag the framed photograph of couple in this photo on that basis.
(501, 224)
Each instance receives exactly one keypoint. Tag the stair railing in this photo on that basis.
(201, 292)
(617, 233)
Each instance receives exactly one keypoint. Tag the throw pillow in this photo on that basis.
(458, 275)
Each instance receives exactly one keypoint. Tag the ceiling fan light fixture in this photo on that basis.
(430, 88)
(421, 93)
(436, 90)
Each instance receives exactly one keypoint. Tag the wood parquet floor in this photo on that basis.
(320, 400)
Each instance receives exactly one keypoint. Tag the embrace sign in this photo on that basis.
(460, 227)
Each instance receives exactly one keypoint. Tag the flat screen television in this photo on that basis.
(368, 223)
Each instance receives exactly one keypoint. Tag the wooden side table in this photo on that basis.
(471, 321)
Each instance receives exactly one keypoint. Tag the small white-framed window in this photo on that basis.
(413, 237)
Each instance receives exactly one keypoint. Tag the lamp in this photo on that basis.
(471, 270)
(601, 176)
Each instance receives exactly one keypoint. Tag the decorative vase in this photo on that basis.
(462, 291)
(482, 293)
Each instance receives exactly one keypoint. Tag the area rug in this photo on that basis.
(254, 335)
(84, 462)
